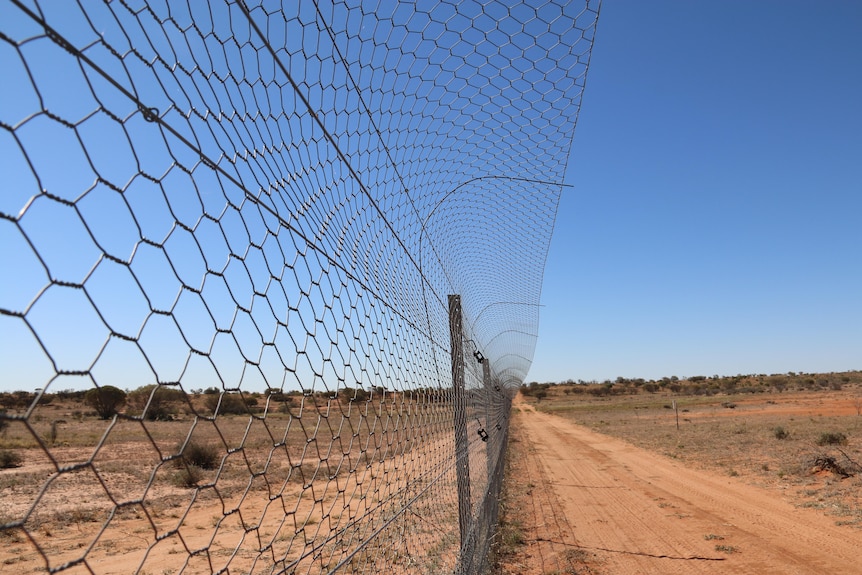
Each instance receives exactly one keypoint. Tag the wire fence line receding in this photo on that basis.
(232, 235)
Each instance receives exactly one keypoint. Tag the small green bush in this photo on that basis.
(832, 438)
(780, 433)
(226, 403)
(187, 477)
(201, 455)
(10, 459)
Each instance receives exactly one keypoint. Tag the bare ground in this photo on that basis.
(596, 504)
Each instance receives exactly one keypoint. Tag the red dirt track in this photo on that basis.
(639, 513)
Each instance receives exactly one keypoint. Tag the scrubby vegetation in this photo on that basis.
(832, 438)
(703, 385)
(9, 459)
(169, 402)
(201, 455)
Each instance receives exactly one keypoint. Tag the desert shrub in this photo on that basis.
(3, 422)
(601, 390)
(77, 515)
(160, 402)
(832, 438)
(780, 433)
(187, 477)
(231, 403)
(201, 455)
(728, 405)
(534, 388)
(10, 459)
(355, 394)
(106, 400)
(17, 399)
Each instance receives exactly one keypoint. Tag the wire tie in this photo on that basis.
(62, 42)
(150, 114)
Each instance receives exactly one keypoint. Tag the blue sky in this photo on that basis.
(714, 225)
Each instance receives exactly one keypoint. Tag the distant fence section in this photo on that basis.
(271, 274)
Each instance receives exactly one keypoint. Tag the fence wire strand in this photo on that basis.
(231, 232)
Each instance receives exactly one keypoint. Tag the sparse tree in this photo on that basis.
(231, 403)
(106, 400)
(160, 402)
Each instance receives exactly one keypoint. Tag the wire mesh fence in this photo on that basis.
(233, 236)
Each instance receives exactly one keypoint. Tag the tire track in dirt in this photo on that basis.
(642, 513)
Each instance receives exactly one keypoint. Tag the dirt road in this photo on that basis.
(639, 513)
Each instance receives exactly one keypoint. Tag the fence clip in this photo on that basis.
(150, 114)
(61, 42)
(483, 434)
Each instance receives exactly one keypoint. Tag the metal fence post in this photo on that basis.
(462, 461)
(489, 394)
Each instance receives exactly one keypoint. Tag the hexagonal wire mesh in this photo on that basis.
(249, 216)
